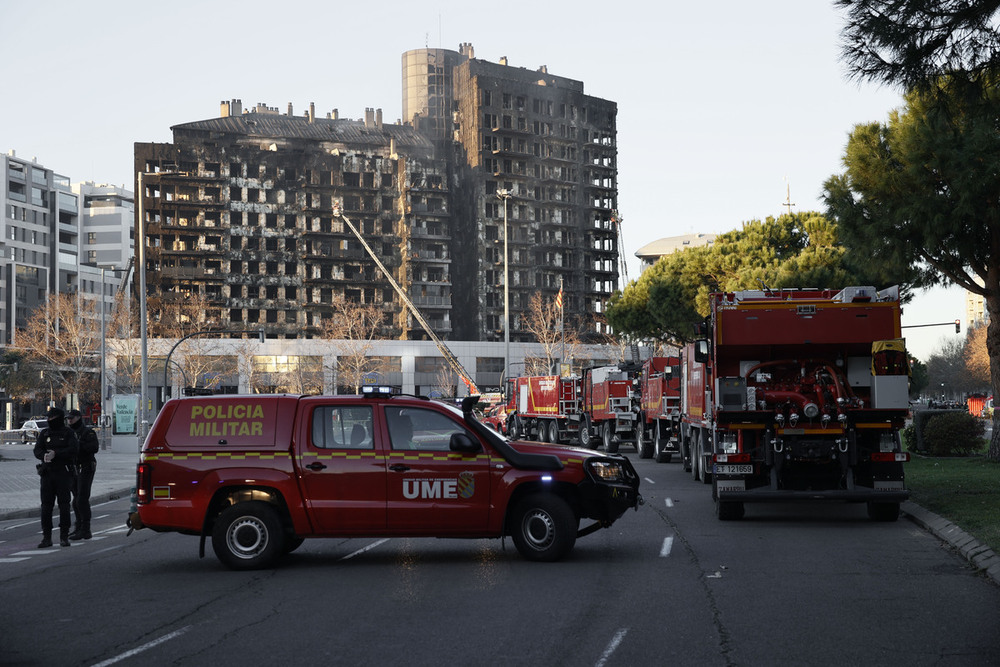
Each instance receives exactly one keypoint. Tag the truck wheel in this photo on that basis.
(883, 511)
(706, 468)
(610, 446)
(554, 432)
(514, 428)
(248, 536)
(685, 452)
(542, 431)
(642, 444)
(695, 441)
(729, 510)
(543, 527)
(584, 433)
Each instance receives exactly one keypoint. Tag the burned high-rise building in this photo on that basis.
(238, 210)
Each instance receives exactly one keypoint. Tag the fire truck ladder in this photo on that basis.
(452, 360)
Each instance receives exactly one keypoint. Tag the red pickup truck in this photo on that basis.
(259, 473)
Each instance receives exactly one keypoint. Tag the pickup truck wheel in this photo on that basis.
(642, 444)
(554, 432)
(248, 536)
(584, 433)
(883, 511)
(544, 527)
(610, 446)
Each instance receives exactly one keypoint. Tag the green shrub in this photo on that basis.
(953, 434)
(909, 436)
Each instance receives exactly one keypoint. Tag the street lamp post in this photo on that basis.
(104, 354)
(140, 255)
(104, 357)
(505, 196)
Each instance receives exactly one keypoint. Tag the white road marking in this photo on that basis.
(20, 525)
(368, 548)
(50, 550)
(140, 649)
(649, 480)
(668, 544)
(669, 502)
(12, 560)
(612, 647)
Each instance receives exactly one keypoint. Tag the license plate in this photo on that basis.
(730, 469)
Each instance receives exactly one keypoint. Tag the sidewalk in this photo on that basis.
(19, 493)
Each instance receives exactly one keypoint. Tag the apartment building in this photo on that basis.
(551, 150)
(238, 209)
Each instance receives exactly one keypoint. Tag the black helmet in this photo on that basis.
(55, 413)
(74, 413)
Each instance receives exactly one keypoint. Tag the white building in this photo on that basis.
(651, 252)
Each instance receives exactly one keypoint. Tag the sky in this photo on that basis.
(727, 111)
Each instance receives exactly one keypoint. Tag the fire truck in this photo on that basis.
(543, 407)
(658, 434)
(609, 406)
(798, 394)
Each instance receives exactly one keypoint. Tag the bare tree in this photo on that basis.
(63, 338)
(352, 327)
(290, 375)
(542, 320)
(124, 345)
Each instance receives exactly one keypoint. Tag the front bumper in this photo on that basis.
(606, 501)
(767, 494)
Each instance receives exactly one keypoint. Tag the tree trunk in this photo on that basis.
(993, 349)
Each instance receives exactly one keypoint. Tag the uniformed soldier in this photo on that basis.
(56, 448)
(86, 466)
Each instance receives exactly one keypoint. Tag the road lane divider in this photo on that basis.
(668, 544)
(368, 548)
(612, 647)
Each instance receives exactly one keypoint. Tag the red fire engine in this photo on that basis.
(609, 407)
(660, 409)
(543, 407)
(799, 394)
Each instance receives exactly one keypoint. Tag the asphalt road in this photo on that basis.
(667, 585)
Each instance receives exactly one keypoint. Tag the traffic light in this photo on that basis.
(958, 326)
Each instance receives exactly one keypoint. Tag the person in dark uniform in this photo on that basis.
(56, 448)
(86, 466)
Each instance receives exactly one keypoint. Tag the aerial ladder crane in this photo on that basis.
(452, 360)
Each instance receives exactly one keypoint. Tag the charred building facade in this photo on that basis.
(553, 148)
(238, 209)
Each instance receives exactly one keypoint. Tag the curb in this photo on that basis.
(979, 555)
(33, 512)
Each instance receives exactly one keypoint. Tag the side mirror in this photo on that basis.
(701, 352)
(461, 442)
